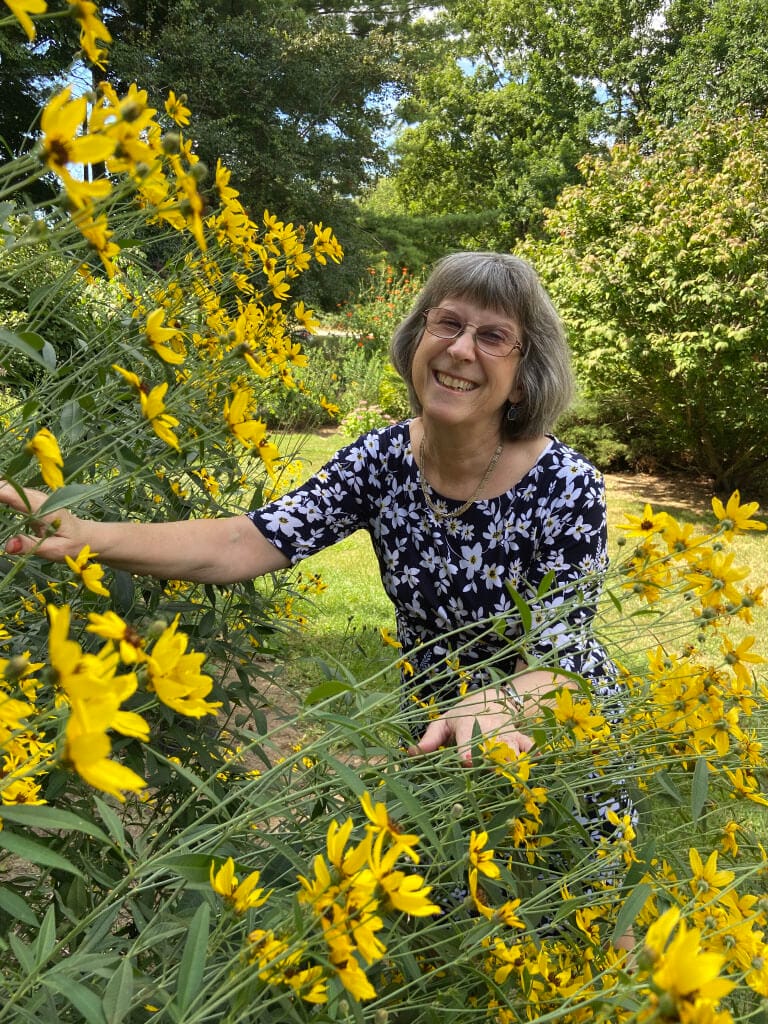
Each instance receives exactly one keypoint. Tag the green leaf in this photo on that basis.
(631, 908)
(45, 942)
(522, 608)
(31, 345)
(85, 1000)
(53, 818)
(193, 959)
(118, 994)
(193, 867)
(17, 906)
(324, 691)
(669, 787)
(546, 583)
(35, 852)
(699, 788)
(111, 820)
(63, 497)
(22, 952)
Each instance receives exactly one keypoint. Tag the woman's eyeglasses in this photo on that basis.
(493, 339)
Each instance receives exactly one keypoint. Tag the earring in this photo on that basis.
(512, 411)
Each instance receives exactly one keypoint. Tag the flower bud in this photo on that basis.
(16, 667)
(457, 810)
(171, 142)
(199, 171)
(157, 628)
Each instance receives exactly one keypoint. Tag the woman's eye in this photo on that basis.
(491, 337)
(449, 323)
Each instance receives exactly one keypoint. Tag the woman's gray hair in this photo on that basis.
(505, 284)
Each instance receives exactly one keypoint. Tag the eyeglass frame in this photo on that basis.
(515, 346)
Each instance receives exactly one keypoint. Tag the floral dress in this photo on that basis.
(450, 579)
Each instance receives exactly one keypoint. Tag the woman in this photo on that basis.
(470, 495)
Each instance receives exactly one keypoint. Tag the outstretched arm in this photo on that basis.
(200, 550)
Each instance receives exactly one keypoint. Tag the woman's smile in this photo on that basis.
(454, 383)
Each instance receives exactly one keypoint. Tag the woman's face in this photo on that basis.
(455, 381)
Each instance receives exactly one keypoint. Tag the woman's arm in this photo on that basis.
(200, 550)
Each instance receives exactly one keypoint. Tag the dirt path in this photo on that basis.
(681, 492)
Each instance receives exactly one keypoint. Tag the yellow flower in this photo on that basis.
(388, 639)
(482, 859)
(175, 675)
(111, 627)
(95, 694)
(91, 31)
(153, 407)
(45, 449)
(326, 244)
(384, 828)
(736, 657)
(687, 974)
(577, 716)
(646, 524)
(735, 517)
(21, 10)
(729, 842)
(305, 317)
(408, 894)
(92, 574)
(176, 109)
(89, 754)
(61, 145)
(242, 895)
(98, 235)
(166, 341)
(707, 881)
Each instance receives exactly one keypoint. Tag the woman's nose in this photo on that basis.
(463, 347)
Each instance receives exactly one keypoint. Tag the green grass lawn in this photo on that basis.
(343, 622)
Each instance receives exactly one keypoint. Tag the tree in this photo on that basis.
(290, 96)
(719, 58)
(514, 95)
(659, 265)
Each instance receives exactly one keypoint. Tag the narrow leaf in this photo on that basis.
(46, 938)
(111, 820)
(326, 690)
(699, 788)
(631, 908)
(52, 819)
(36, 853)
(26, 345)
(63, 497)
(118, 994)
(85, 1000)
(546, 583)
(522, 608)
(193, 959)
(16, 906)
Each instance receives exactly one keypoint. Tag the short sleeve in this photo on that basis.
(339, 499)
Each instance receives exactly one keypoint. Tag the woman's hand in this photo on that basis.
(54, 536)
(489, 710)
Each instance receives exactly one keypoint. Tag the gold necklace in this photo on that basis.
(436, 510)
